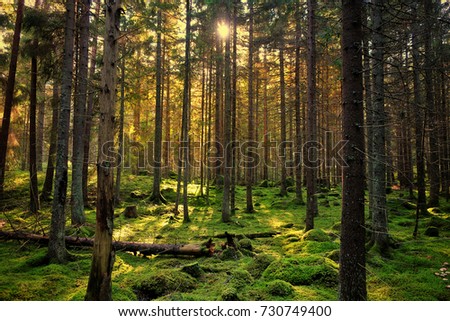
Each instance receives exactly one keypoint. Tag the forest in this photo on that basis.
(229, 150)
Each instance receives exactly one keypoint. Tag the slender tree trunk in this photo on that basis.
(167, 116)
(266, 121)
(421, 209)
(40, 128)
(352, 272)
(34, 194)
(117, 199)
(250, 137)
(156, 196)
(311, 157)
(433, 166)
(298, 120)
(57, 250)
(380, 236)
(283, 187)
(50, 172)
(234, 110)
(227, 128)
(79, 116)
(186, 107)
(89, 112)
(218, 114)
(9, 94)
(99, 285)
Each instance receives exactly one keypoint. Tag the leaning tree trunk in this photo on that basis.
(352, 273)
(99, 286)
(57, 249)
(9, 94)
(311, 156)
(79, 117)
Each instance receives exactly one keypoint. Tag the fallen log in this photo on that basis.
(135, 247)
(248, 236)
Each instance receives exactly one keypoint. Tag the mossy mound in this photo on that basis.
(229, 294)
(240, 278)
(434, 211)
(193, 270)
(245, 244)
(169, 194)
(303, 270)
(311, 247)
(316, 235)
(334, 255)
(230, 254)
(259, 264)
(280, 288)
(441, 223)
(163, 283)
(432, 231)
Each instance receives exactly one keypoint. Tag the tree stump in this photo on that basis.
(130, 212)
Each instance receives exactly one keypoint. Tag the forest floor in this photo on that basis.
(292, 265)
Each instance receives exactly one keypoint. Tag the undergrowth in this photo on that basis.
(292, 265)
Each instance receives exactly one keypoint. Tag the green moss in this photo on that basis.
(240, 278)
(162, 283)
(316, 235)
(193, 270)
(303, 270)
(311, 247)
(229, 294)
(259, 264)
(230, 254)
(245, 244)
(280, 288)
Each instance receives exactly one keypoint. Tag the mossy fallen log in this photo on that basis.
(135, 247)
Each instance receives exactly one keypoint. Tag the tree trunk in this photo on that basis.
(9, 94)
(218, 114)
(40, 129)
(89, 112)
(298, 120)
(380, 236)
(227, 127)
(352, 272)
(433, 166)
(251, 134)
(311, 157)
(50, 172)
(77, 201)
(197, 250)
(34, 194)
(266, 121)
(120, 136)
(57, 249)
(283, 187)
(235, 143)
(156, 196)
(99, 286)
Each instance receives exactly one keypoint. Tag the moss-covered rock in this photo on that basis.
(193, 270)
(259, 264)
(311, 247)
(316, 235)
(303, 270)
(280, 288)
(163, 283)
(229, 294)
(245, 244)
(432, 231)
(441, 223)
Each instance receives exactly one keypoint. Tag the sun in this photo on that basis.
(223, 29)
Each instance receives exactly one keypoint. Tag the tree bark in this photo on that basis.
(9, 94)
(380, 236)
(79, 116)
(251, 134)
(352, 273)
(50, 172)
(156, 196)
(311, 157)
(283, 187)
(57, 249)
(298, 118)
(99, 285)
(120, 136)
